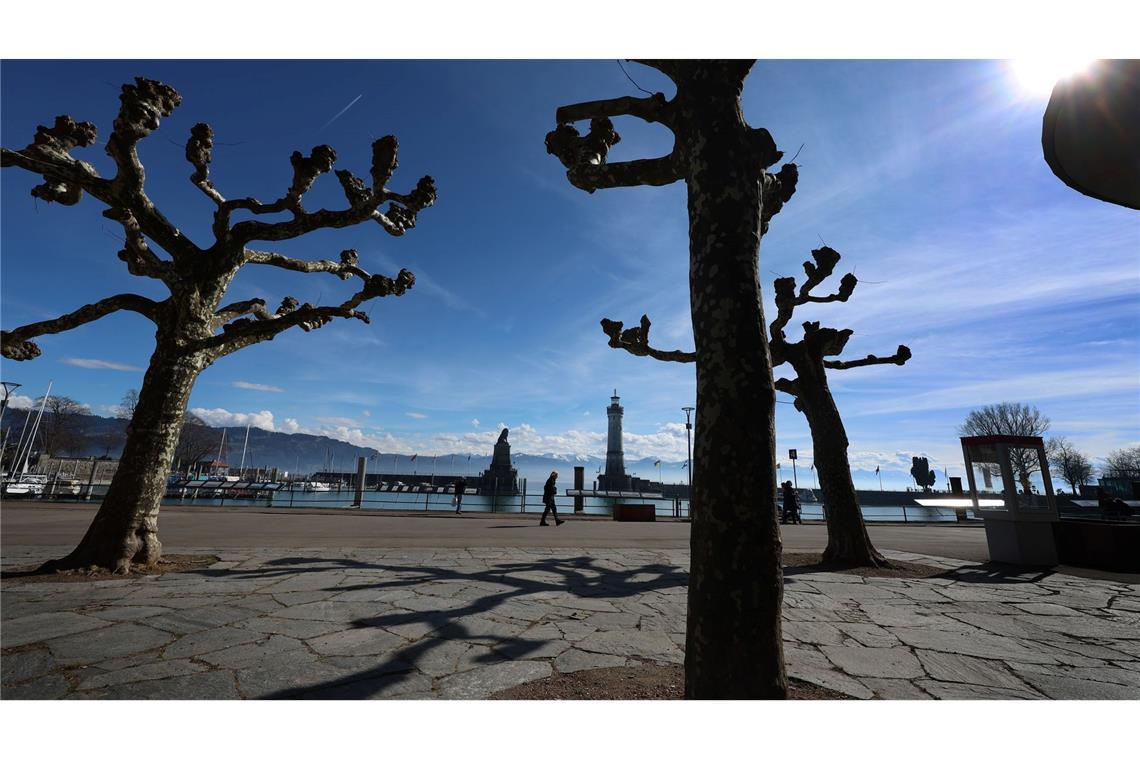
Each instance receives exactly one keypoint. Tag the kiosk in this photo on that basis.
(1019, 524)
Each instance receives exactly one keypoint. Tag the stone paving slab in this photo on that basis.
(465, 623)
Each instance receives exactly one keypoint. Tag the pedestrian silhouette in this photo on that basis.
(548, 492)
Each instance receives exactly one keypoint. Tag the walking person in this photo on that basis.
(548, 492)
(460, 487)
(791, 511)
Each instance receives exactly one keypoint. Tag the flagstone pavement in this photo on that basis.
(465, 623)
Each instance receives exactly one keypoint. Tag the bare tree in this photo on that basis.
(59, 430)
(196, 440)
(923, 476)
(733, 643)
(847, 539)
(193, 328)
(1072, 465)
(128, 405)
(1122, 463)
(1009, 418)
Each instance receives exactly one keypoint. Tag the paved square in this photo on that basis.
(464, 623)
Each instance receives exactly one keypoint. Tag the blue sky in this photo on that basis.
(926, 175)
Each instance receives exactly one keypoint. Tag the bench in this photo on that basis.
(635, 513)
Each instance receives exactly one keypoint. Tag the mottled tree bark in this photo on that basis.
(125, 529)
(193, 328)
(847, 539)
(733, 646)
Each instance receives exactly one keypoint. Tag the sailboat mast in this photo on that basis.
(36, 429)
(244, 446)
(221, 445)
(23, 433)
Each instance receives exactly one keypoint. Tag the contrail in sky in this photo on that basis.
(341, 112)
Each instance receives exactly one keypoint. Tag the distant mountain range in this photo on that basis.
(304, 454)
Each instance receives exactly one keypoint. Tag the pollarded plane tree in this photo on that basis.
(847, 539)
(193, 326)
(733, 647)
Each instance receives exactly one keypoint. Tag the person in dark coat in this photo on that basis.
(460, 487)
(548, 492)
(791, 505)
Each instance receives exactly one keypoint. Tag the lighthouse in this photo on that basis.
(615, 478)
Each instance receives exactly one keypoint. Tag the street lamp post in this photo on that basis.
(689, 449)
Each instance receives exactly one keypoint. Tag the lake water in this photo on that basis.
(531, 503)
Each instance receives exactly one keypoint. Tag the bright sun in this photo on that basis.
(1037, 76)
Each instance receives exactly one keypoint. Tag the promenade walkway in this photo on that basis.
(310, 619)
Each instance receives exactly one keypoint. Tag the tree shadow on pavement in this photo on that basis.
(470, 620)
(997, 572)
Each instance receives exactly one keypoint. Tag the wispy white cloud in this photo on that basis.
(475, 422)
(219, 417)
(20, 402)
(416, 415)
(1030, 386)
(257, 387)
(101, 364)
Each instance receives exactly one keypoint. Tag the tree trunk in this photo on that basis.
(733, 645)
(125, 530)
(847, 539)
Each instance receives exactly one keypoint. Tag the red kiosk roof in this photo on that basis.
(1016, 440)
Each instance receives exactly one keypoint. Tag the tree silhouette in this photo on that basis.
(193, 328)
(847, 539)
(920, 471)
(1009, 418)
(733, 647)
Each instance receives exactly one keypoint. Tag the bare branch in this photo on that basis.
(199, 152)
(646, 171)
(17, 344)
(140, 106)
(364, 202)
(66, 178)
(655, 108)
(900, 358)
(140, 259)
(787, 299)
(345, 269)
(49, 155)
(792, 388)
(574, 151)
(245, 332)
(254, 306)
(788, 385)
(778, 188)
(824, 341)
(635, 340)
(764, 146)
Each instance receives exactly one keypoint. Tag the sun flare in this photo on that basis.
(1037, 76)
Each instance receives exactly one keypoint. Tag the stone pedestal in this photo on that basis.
(1021, 542)
(500, 477)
